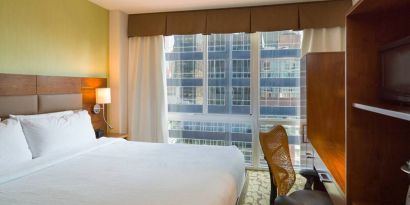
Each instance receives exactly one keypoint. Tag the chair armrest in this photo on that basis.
(285, 200)
(308, 173)
(311, 176)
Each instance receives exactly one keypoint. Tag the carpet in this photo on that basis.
(257, 188)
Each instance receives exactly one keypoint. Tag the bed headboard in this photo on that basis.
(34, 94)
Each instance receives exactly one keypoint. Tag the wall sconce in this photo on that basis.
(103, 96)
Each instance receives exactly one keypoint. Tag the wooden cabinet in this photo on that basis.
(362, 143)
(377, 145)
(325, 88)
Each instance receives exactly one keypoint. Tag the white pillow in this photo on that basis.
(52, 114)
(13, 145)
(46, 136)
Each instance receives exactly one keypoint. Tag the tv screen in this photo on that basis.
(395, 60)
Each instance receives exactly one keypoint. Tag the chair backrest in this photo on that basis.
(275, 147)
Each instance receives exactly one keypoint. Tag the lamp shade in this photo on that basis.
(103, 95)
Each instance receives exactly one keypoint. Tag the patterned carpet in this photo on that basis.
(257, 189)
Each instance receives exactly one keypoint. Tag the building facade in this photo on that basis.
(209, 85)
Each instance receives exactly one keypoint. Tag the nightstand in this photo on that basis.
(117, 135)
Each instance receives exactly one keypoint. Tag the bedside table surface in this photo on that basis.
(117, 135)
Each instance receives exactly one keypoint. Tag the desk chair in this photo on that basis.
(276, 150)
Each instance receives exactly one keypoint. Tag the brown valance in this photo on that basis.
(323, 14)
(247, 19)
(147, 24)
(228, 20)
(274, 18)
(190, 22)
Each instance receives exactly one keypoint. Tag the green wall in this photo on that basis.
(53, 37)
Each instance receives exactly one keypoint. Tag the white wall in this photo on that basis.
(118, 55)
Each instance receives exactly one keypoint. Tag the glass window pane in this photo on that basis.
(280, 88)
(241, 42)
(280, 75)
(184, 43)
(211, 75)
(185, 73)
(216, 133)
(217, 42)
(216, 95)
(225, 95)
(229, 67)
(216, 69)
(241, 74)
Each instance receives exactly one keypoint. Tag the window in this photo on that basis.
(280, 68)
(185, 69)
(216, 95)
(279, 96)
(184, 95)
(241, 128)
(241, 42)
(241, 95)
(190, 96)
(280, 40)
(216, 69)
(187, 43)
(216, 42)
(214, 127)
(279, 84)
(241, 68)
(212, 133)
(214, 76)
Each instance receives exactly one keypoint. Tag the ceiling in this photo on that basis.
(152, 6)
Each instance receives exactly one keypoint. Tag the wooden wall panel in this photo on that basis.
(58, 85)
(326, 110)
(11, 84)
(88, 86)
(377, 145)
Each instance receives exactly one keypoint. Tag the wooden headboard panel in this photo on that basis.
(29, 85)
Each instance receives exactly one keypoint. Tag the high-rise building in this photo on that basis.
(210, 76)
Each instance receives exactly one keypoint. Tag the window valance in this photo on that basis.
(246, 19)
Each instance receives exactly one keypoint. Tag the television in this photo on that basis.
(395, 65)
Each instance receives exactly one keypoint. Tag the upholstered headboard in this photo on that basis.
(31, 94)
(35, 104)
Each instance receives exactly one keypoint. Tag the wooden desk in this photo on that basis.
(325, 94)
(335, 192)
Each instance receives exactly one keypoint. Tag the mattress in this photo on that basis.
(116, 171)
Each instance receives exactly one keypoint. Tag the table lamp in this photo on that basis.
(103, 96)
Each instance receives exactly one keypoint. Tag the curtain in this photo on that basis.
(323, 40)
(147, 100)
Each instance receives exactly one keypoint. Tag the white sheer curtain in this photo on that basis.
(323, 40)
(147, 100)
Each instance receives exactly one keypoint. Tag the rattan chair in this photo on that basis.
(276, 150)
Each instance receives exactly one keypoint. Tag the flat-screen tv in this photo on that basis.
(395, 65)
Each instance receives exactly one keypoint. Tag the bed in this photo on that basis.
(106, 171)
(116, 171)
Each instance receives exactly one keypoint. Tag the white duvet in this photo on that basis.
(115, 171)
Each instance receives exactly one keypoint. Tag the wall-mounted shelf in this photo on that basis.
(385, 110)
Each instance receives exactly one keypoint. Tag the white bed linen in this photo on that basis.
(115, 171)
